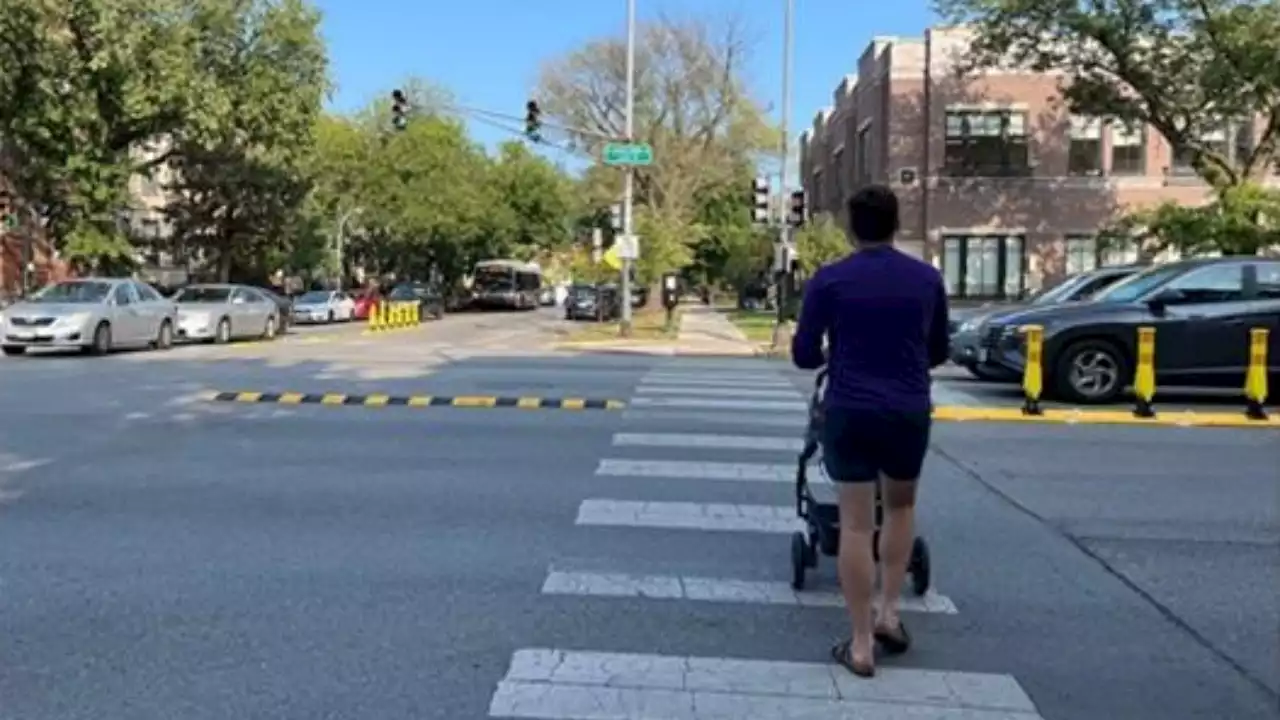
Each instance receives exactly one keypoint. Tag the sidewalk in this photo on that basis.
(703, 331)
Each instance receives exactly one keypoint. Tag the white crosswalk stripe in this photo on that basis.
(673, 407)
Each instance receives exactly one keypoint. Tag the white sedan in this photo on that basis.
(324, 306)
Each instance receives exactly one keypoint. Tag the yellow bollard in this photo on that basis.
(1144, 373)
(1255, 379)
(415, 314)
(396, 311)
(373, 316)
(384, 313)
(1033, 370)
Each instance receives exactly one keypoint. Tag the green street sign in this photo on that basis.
(628, 154)
(10, 221)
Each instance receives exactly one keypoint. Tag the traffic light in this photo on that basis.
(8, 218)
(615, 216)
(760, 201)
(533, 121)
(796, 216)
(399, 110)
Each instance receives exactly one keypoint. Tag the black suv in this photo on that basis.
(1202, 311)
(966, 325)
(429, 296)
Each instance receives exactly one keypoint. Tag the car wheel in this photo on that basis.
(12, 350)
(269, 330)
(164, 338)
(101, 339)
(222, 334)
(1091, 372)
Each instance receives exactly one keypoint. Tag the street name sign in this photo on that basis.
(628, 154)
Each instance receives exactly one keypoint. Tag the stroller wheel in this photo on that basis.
(919, 567)
(799, 560)
(875, 546)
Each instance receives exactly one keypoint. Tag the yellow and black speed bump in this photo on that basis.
(418, 401)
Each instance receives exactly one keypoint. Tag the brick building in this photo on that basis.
(1001, 187)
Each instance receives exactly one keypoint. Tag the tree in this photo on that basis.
(691, 105)
(82, 86)
(241, 187)
(820, 242)
(1187, 68)
(535, 200)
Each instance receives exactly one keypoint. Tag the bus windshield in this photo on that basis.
(494, 279)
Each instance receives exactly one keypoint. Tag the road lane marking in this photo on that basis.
(718, 381)
(717, 442)
(723, 590)
(695, 470)
(553, 684)
(718, 392)
(713, 517)
(719, 404)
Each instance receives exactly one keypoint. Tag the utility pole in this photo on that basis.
(628, 178)
(784, 253)
(340, 240)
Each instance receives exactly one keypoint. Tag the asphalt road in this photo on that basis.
(166, 557)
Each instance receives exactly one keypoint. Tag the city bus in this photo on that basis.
(506, 284)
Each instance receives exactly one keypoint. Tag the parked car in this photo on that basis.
(222, 313)
(1202, 311)
(593, 302)
(365, 302)
(284, 309)
(428, 295)
(966, 324)
(323, 306)
(95, 315)
(547, 296)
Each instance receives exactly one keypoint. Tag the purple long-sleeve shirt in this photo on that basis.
(884, 316)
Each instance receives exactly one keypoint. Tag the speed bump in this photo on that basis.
(417, 401)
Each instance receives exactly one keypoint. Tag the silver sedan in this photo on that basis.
(96, 315)
(221, 313)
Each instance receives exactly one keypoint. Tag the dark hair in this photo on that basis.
(873, 214)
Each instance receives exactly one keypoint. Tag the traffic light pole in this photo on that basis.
(784, 226)
(628, 178)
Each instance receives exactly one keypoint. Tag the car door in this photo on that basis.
(151, 307)
(1201, 337)
(244, 321)
(1265, 310)
(127, 321)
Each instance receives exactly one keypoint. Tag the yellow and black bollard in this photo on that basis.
(374, 319)
(1033, 370)
(415, 314)
(1255, 379)
(1144, 374)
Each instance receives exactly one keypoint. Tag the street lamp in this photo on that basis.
(340, 239)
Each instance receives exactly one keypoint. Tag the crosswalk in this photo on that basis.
(678, 398)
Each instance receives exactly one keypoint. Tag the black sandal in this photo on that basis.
(842, 653)
(894, 642)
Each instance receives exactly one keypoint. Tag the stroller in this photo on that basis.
(822, 520)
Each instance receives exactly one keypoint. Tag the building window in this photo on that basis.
(1082, 253)
(1215, 141)
(986, 143)
(838, 185)
(863, 172)
(1128, 151)
(984, 266)
(1084, 156)
(1119, 252)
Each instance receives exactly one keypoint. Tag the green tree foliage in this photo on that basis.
(691, 104)
(819, 242)
(1186, 68)
(534, 199)
(240, 188)
(82, 84)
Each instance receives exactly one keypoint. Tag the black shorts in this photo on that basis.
(862, 445)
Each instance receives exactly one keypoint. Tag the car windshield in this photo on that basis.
(402, 292)
(314, 298)
(76, 291)
(202, 295)
(1060, 291)
(1135, 286)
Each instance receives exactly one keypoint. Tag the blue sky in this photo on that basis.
(488, 52)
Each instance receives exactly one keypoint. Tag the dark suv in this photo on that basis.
(1202, 311)
(967, 324)
(429, 296)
